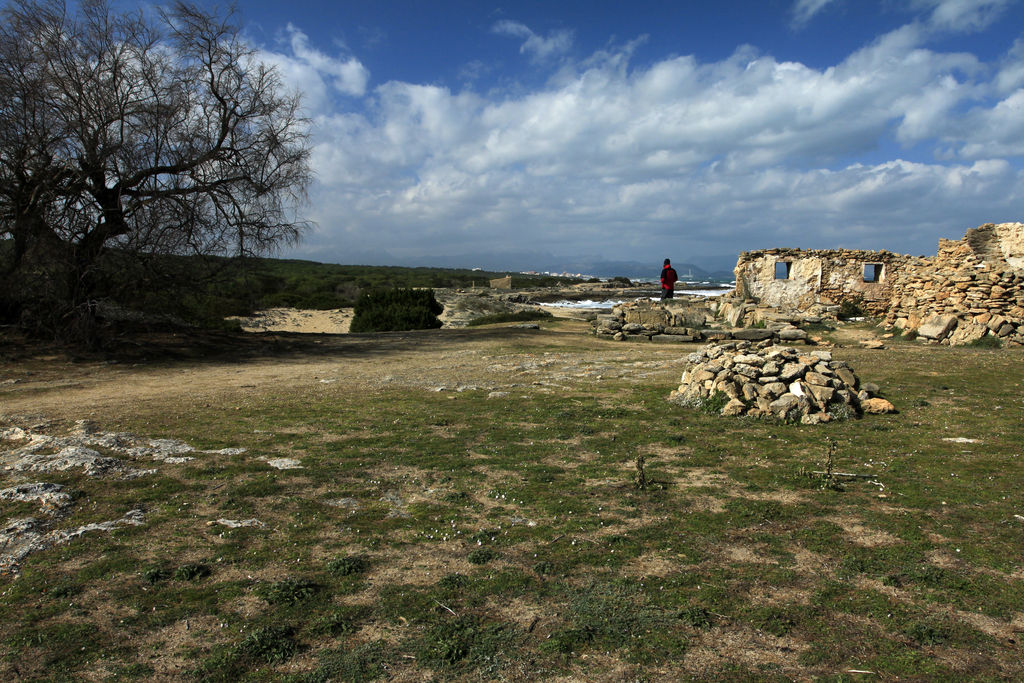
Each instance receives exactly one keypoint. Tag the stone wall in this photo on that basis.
(798, 278)
(972, 288)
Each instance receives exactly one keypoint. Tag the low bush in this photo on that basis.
(394, 310)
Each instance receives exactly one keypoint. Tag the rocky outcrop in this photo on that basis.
(769, 381)
(30, 451)
(685, 319)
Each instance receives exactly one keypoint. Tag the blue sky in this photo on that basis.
(538, 133)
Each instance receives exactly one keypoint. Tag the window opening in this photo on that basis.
(782, 270)
(872, 272)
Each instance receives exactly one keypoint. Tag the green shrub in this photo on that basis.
(348, 565)
(288, 591)
(187, 572)
(396, 310)
(270, 643)
(481, 556)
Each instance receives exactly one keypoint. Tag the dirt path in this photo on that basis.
(558, 356)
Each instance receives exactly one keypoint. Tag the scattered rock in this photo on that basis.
(236, 523)
(347, 503)
(21, 537)
(51, 497)
(285, 464)
(877, 406)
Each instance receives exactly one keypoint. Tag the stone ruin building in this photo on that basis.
(972, 288)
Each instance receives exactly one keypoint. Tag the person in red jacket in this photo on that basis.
(668, 280)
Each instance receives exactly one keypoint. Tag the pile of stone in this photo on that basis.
(967, 292)
(781, 382)
(685, 319)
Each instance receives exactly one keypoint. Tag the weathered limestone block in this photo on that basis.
(937, 327)
(792, 334)
(877, 406)
(747, 370)
(816, 379)
(752, 334)
(822, 395)
(846, 376)
(792, 371)
(782, 406)
(734, 408)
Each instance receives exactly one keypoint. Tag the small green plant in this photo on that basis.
(153, 575)
(366, 662)
(772, 620)
(712, 405)
(453, 581)
(191, 572)
(464, 641)
(288, 591)
(340, 621)
(925, 633)
(348, 565)
(481, 556)
(270, 644)
(544, 568)
(829, 480)
(696, 616)
(640, 483)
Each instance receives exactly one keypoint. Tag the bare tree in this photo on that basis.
(137, 134)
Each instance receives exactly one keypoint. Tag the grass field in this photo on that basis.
(497, 532)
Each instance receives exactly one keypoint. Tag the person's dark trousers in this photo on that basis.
(666, 293)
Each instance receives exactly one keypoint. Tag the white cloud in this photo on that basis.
(539, 48)
(745, 152)
(962, 15)
(317, 75)
(805, 10)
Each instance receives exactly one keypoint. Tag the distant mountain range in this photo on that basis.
(716, 268)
